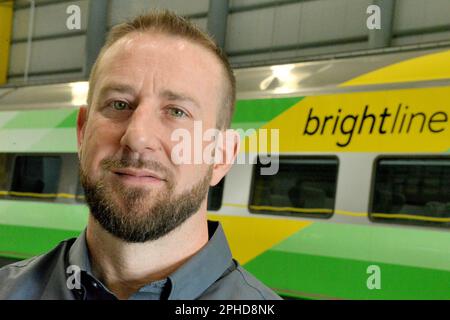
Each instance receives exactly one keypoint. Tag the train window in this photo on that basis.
(3, 175)
(80, 192)
(412, 191)
(215, 195)
(303, 186)
(36, 177)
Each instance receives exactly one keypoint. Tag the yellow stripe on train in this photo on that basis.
(251, 236)
(432, 66)
(406, 120)
(40, 195)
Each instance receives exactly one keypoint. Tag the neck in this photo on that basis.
(126, 267)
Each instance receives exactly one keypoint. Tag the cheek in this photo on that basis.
(101, 140)
(188, 175)
(194, 146)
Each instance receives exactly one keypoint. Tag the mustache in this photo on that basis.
(109, 164)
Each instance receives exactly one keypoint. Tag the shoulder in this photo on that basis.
(27, 279)
(239, 284)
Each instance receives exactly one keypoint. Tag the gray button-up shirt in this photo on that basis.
(210, 274)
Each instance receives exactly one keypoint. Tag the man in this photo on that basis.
(147, 236)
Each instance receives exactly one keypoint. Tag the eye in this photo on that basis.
(177, 113)
(119, 105)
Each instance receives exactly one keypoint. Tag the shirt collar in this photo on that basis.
(79, 254)
(192, 278)
(204, 268)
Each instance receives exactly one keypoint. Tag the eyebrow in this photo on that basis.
(122, 88)
(177, 96)
(167, 94)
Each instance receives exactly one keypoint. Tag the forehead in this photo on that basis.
(158, 61)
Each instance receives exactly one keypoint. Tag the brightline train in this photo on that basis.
(358, 209)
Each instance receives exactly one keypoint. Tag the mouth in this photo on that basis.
(138, 176)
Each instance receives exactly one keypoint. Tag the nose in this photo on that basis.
(143, 132)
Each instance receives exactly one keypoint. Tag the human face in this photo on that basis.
(148, 85)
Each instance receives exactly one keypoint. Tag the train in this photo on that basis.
(357, 208)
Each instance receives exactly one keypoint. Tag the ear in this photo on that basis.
(227, 149)
(81, 126)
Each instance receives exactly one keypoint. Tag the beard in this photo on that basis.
(137, 215)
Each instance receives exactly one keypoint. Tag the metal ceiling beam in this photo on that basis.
(380, 38)
(217, 20)
(95, 33)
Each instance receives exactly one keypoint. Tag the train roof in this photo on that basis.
(25, 128)
(299, 79)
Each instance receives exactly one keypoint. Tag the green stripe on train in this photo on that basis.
(246, 111)
(30, 228)
(414, 264)
(70, 121)
(38, 119)
(34, 241)
(264, 110)
(311, 276)
(38, 131)
(54, 130)
(304, 265)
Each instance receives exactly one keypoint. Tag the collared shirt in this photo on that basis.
(65, 273)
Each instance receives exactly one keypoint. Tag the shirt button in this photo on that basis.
(95, 285)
